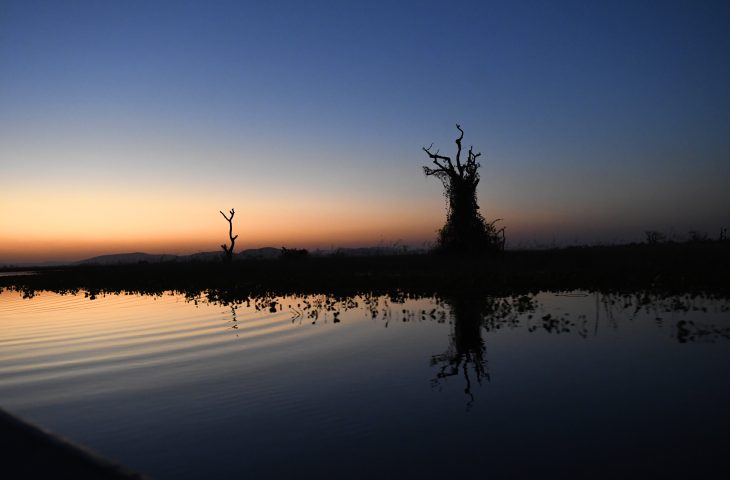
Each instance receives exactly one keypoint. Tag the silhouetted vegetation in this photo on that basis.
(669, 267)
(229, 249)
(294, 253)
(697, 236)
(465, 229)
(654, 237)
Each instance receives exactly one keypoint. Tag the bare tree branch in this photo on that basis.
(472, 165)
(436, 157)
(229, 250)
(458, 151)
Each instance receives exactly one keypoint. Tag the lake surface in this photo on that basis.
(580, 384)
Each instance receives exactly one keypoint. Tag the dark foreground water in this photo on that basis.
(580, 385)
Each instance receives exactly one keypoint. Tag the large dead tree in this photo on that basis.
(465, 229)
(226, 248)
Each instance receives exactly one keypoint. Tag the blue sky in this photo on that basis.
(597, 120)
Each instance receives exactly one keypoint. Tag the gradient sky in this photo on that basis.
(127, 126)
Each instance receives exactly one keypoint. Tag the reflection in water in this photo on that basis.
(466, 352)
(471, 317)
(466, 347)
(325, 381)
(690, 331)
(234, 320)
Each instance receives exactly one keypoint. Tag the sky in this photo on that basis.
(126, 126)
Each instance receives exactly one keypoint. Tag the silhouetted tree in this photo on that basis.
(465, 228)
(293, 253)
(227, 249)
(653, 237)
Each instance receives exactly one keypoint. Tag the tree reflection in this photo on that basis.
(466, 351)
(470, 316)
(690, 331)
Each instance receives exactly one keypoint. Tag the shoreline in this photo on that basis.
(33, 452)
(665, 268)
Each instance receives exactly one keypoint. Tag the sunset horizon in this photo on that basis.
(128, 129)
(365, 239)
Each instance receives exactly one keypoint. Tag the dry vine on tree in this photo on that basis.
(465, 229)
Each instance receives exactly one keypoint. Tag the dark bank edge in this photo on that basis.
(32, 452)
(699, 268)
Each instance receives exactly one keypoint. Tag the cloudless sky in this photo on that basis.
(127, 126)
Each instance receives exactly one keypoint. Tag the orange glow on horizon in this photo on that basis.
(72, 222)
(75, 229)
(77, 246)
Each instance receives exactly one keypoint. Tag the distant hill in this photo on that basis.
(259, 253)
(371, 251)
(124, 258)
(265, 252)
(140, 257)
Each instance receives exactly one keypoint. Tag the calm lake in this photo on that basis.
(580, 384)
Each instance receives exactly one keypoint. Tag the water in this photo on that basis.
(548, 385)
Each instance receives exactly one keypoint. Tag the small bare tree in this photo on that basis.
(465, 228)
(227, 249)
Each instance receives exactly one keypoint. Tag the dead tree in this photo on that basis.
(227, 249)
(465, 229)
